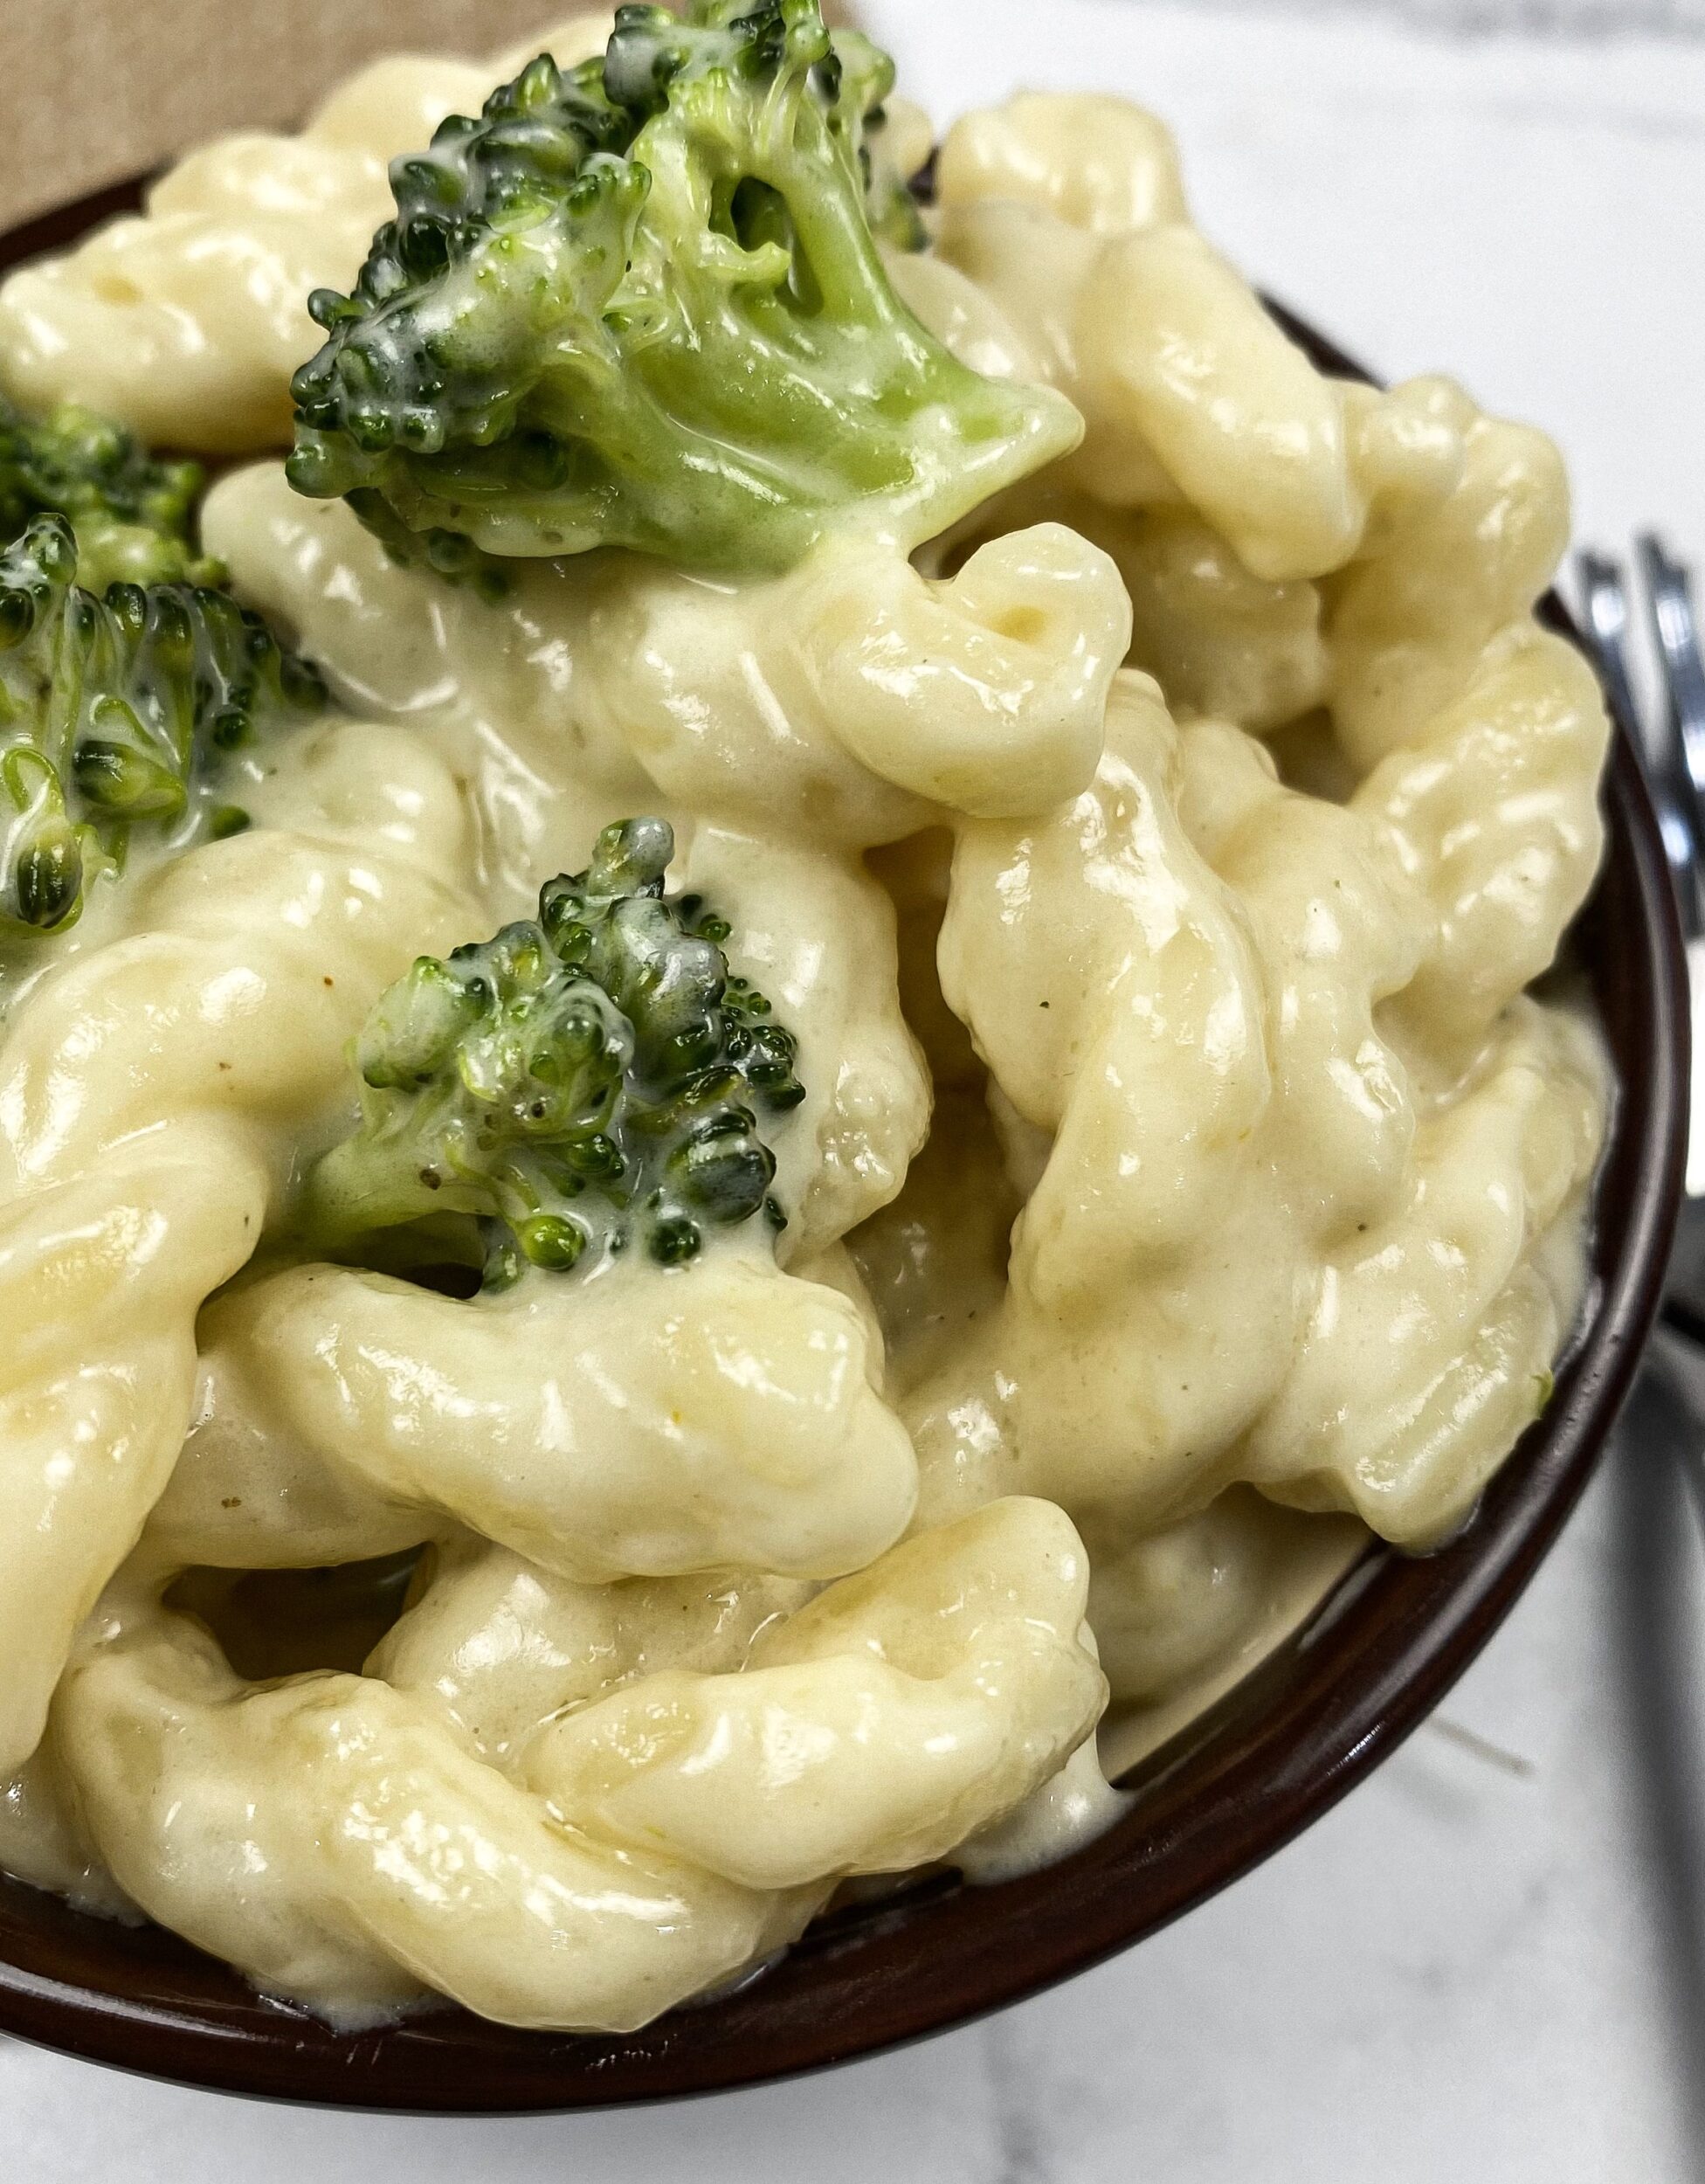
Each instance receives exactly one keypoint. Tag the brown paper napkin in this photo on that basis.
(153, 77)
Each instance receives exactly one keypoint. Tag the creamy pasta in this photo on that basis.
(1119, 908)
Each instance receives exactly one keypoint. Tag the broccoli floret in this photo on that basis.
(583, 1080)
(866, 78)
(639, 304)
(114, 713)
(132, 514)
(447, 554)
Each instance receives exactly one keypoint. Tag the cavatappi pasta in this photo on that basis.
(1152, 871)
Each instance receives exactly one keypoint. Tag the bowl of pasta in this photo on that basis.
(841, 1070)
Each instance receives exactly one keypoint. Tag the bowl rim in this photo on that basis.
(1231, 1787)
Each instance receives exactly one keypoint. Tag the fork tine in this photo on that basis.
(1605, 601)
(1669, 602)
(1674, 797)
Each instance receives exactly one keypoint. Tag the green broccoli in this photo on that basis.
(132, 514)
(581, 1079)
(114, 713)
(639, 304)
(866, 78)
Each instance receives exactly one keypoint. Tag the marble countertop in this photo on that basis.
(1488, 1964)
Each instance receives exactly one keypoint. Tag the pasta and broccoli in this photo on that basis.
(779, 979)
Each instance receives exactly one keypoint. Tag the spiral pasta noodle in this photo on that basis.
(148, 1097)
(612, 1867)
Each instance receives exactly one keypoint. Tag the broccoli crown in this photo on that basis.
(639, 304)
(584, 1078)
(866, 77)
(114, 713)
(132, 514)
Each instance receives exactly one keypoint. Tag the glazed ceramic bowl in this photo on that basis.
(1271, 1756)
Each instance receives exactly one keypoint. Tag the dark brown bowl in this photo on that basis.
(1239, 1781)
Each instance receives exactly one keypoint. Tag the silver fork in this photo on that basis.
(1671, 739)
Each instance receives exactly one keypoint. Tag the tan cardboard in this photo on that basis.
(152, 77)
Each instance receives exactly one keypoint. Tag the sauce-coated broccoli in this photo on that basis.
(639, 304)
(584, 1078)
(132, 513)
(113, 714)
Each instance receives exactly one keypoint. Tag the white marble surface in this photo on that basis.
(1487, 1966)
(1526, 18)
